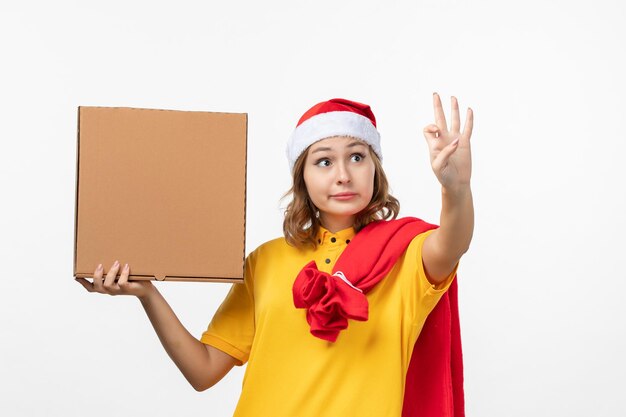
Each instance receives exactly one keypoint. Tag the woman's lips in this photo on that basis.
(343, 196)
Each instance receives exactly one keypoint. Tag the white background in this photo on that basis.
(541, 289)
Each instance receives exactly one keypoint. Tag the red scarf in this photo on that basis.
(434, 380)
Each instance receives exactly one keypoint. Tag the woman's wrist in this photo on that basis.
(150, 293)
(458, 191)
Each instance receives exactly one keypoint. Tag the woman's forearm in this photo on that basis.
(187, 352)
(456, 221)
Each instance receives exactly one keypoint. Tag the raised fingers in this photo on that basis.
(440, 117)
(455, 122)
(469, 124)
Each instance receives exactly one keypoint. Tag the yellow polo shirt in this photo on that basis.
(290, 372)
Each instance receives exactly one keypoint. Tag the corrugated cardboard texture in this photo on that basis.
(163, 191)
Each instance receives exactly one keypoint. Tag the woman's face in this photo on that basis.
(339, 177)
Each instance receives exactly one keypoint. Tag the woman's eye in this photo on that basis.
(357, 157)
(323, 163)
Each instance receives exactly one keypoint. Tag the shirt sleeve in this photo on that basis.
(422, 295)
(232, 328)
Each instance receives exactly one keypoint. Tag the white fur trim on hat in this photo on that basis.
(326, 125)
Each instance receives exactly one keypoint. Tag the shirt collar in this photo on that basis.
(326, 237)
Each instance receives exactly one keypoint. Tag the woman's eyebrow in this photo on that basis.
(355, 143)
(322, 149)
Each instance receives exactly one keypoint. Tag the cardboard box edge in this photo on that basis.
(76, 191)
(174, 278)
(245, 202)
(165, 110)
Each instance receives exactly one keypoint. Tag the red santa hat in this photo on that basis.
(335, 117)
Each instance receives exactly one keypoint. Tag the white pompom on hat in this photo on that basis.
(335, 117)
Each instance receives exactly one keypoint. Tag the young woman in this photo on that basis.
(328, 315)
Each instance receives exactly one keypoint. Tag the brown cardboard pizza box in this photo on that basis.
(161, 190)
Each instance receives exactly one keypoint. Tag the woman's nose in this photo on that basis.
(343, 175)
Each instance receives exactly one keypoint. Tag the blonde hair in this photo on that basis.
(301, 223)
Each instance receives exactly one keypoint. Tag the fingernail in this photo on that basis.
(99, 267)
(456, 141)
(126, 267)
(116, 264)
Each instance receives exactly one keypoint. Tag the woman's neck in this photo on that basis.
(334, 223)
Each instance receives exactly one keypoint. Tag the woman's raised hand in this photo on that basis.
(450, 154)
(122, 286)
